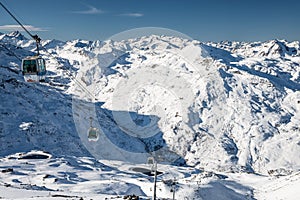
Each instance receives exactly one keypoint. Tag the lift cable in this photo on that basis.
(68, 71)
(35, 37)
(15, 55)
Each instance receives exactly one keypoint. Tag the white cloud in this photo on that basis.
(19, 28)
(132, 14)
(91, 11)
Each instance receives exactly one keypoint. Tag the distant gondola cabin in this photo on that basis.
(93, 134)
(33, 69)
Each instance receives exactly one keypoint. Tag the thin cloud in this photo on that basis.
(132, 14)
(19, 28)
(91, 11)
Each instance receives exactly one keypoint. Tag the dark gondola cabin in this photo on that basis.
(33, 69)
(93, 134)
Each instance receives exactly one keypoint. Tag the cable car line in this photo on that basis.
(68, 71)
(92, 132)
(15, 55)
(74, 78)
(35, 37)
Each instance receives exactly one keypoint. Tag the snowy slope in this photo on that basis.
(227, 107)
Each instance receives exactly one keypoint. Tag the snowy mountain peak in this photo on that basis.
(16, 35)
(277, 48)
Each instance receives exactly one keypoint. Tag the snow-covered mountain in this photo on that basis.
(241, 111)
(228, 106)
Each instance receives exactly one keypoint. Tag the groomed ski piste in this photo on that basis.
(221, 119)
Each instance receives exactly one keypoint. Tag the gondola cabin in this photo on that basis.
(33, 69)
(93, 134)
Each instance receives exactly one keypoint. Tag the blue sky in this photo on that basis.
(204, 20)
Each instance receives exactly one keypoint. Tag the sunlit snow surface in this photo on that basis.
(229, 111)
(24, 176)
